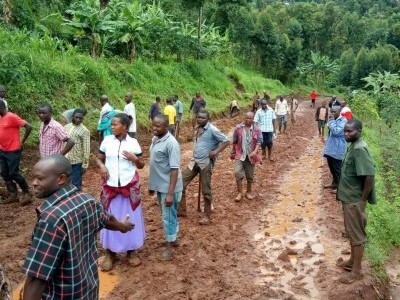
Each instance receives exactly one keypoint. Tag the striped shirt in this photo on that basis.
(64, 250)
(80, 153)
(51, 138)
(265, 119)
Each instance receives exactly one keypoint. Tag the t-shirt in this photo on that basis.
(313, 95)
(197, 104)
(322, 114)
(357, 163)
(170, 111)
(179, 107)
(130, 111)
(10, 139)
(281, 107)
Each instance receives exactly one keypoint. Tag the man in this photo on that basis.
(265, 120)
(313, 97)
(166, 179)
(66, 116)
(335, 145)
(107, 113)
(52, 134)
(131, 112)
(294, 104)
(247, 139)
(346, 111)
(197, 104)
(281, 111)
(3, 94)
(233, 107)
(334, 102)
(170, 112)
(179, 110)
(62, 260)
(321, 116)
(356, 188)
(209, 141)
(256, 102)
(80, 153)
(10, 154)
(155, 108)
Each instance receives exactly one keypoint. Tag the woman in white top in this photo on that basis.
(118, 160)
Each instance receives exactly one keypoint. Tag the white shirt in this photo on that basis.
(130, 111)
(281, 107)
(120, 169)
(105, 109)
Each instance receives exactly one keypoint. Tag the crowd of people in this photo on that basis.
(64, 238)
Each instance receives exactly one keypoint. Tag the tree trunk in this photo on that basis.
(132, 53)
(199, 29)
(95, 48)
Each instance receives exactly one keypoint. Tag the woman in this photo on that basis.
(119, 157)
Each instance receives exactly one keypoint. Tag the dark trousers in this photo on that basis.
(9, 164)
(335, 166)
(77, 176)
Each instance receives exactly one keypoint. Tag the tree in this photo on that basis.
(319, 67)
(346, 65)
(362, 67)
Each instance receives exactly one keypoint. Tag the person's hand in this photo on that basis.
(254, 153)
(129, 156)
(169, 201)
(151, 193)
(126, 225)
(213, 154)
(104, 173)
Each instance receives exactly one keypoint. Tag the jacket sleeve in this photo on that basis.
(336, 127)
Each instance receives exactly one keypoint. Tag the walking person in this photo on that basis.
(170, 112)
(155, 109)
(247, 139)
(256, 102)
(355, 190)
(118, 160)
(209, 141)
(294, 104)
(265, 120)
(80, 153)
(313, 97)
(10, 155)
(233, 108)
(166, 180)
(52, 135)
(281, 111)
(335, 145)
(179, 114)
(321, 116)
(107, 113)
(334, 102)
(197, 104)
(62, 260)
(130, 110)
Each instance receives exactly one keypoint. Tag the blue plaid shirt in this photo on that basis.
(265, 119)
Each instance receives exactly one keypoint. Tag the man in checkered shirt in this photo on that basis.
(62, 261)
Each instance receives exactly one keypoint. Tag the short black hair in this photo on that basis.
(2, 105)
(61, 164)
(163, 118)
(46, 106)
(124, 119)
(79, 111)
(357, 124)
(203, 111)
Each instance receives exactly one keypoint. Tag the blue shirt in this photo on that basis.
(164, 156)
(179, 107)
(208, 141)
(335, 145)
(265, 119)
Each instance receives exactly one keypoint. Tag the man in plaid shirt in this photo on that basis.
(62, 261)
(52, 134)
(265, 119)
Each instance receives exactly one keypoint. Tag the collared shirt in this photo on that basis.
(335, 145)
(154, 110)
(246, 143)
(265, 119)
(80, 153)
(105, 109)
(51, 138)
(208, 141)
(238, 137)
(10, 138)
(197, 104)
(64, 247)
(120, 169)
(356, 165)
(131, 111)
(179, 107)
(170, 111)
(164, 156)
(281, 107)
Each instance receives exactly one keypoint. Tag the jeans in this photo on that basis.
(77, 172)
(335, 166)
(9, 165)
(170, 215)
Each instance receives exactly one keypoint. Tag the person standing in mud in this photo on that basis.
(179, 114)
(209, 141)
(356, 188)
(166, 180)
(155, 108)
(313, 97)
(321, 116)
(256, 102)
(265, 120)
(170, 112)
(130, 110)
(247, 139)
(335, 145)
(281, 111)
(107, 113)
(197, 104)
(294, 104)
(62, 260)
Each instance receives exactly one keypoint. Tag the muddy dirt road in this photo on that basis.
(281, 245)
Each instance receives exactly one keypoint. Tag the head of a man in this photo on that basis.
(198, 95)
(77, 117)
(335, 111)
(50, 174)
(128, 97)
(176, 98)
(281, 98)
(169, 100)
(103, 99)
(352, 130)
(45, 112)
(264, 104)
(323, 104)
(248, 118)
(158, 99)
(2, 91)
(160, 125)
(3, 108)
(203, 117)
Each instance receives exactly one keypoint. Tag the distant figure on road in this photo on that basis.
(170, 112)
(155, 109)
(346, 111)
(334, 102)
(294, 104)
(107, 113)
(247, 139)
(356, 188)
(197, 104)
(281, 111)
(233, 107)
(265, 119)
(313, 97)
(3, 94)
(256, 102)
(179, 114)
(130, 110)
(321, 116)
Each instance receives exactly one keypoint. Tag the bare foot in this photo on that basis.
(344, 264)
(350, 278)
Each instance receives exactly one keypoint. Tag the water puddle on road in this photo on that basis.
(296, 250)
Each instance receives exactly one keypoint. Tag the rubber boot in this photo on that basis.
(133, 258)
(240, 190)
(182, 206)
(248, 192)
(207, 213)
(108, 262)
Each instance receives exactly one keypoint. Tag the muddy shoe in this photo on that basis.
(205, 221)
(26, 199)
(249, 196)
(167, 254)
(108, 261)
(344, 264)
(238, 197)
(133, 259)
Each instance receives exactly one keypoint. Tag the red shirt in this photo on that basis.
(313, 95)
(10, 139)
